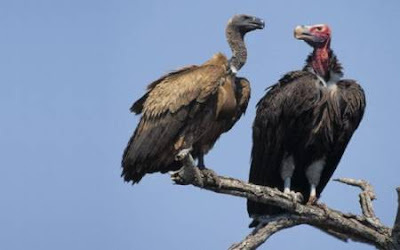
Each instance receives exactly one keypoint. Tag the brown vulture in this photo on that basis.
(188, 109)
(303, 125)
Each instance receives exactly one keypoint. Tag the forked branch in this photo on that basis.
(364, 228)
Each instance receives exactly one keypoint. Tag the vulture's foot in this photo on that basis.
(312, 200)
(212, 176)
(188, 175)
(295, 196)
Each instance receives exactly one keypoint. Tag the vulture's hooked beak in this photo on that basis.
(258, 23)
(302, 32)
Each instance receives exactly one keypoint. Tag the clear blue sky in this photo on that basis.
(69, 71)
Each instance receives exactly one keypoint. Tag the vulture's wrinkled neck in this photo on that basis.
(239, 51)
(324, 63)
(320, 61)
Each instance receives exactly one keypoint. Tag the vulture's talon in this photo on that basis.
(299, 197)
(188, 175)
(177, 178)
(312, 201)
(295, 196)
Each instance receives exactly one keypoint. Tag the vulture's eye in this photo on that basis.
(319, 28)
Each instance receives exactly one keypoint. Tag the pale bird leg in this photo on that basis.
(286, 171)
(313, 174)
(286, 185)
(313, 195)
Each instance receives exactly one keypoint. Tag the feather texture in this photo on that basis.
(190, 107)
(301, 117)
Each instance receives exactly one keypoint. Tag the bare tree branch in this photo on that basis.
(366, 196)
(261, 233)
(366, 228)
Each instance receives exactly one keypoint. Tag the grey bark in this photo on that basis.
(365, 228)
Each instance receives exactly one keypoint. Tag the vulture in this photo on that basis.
(188, 109)
(303, 124)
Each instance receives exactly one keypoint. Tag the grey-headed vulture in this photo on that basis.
(303, 124)
(188, 109)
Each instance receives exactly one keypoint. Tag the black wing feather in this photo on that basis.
(351, 107)
(275, 130)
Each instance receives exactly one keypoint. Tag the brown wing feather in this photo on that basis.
(180, 90)
(177, 106)
(226, 115)
(243, 92)
(137, 107)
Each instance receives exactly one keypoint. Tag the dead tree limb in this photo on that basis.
(366, 197)
(364, 228)
(264, 231)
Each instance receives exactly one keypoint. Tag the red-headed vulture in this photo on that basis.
(303, 124)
